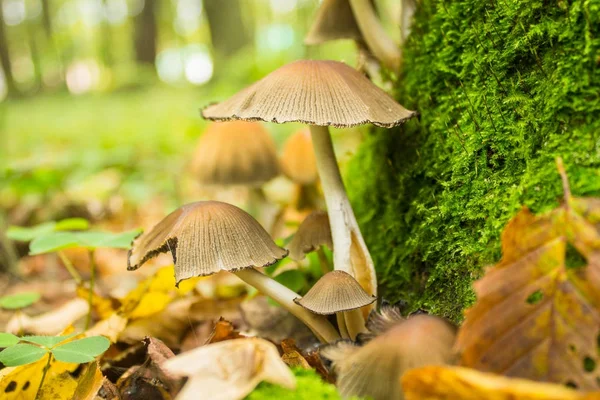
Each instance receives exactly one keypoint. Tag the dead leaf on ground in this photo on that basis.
(139, 382)
(223, 330)
(90, 382)
(168, 325)
(276, 324)
(456, 383)
(21, 383)
(292, 356)
(541, 301)
(230, 369)
(50, 323)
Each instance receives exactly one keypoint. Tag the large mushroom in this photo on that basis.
(322, 94)
(209, 236)
(357, 20)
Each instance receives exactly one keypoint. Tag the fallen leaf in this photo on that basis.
(456, 383)
(50, 323)
(169, 325)
(292, 356)
(103, 307)
(139, 382)
(541, 301)
(274, 323)
(112, 327)
(229, 370)
(155, 293)
(21, 383)
(223, 330)
(89, 383)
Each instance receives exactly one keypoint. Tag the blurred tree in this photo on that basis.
(227, 29)
(46, 18)
(145, 33)
(5, 59)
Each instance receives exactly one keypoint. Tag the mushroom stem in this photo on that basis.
(355, 322)
(350, 253)
(342, 325)
(319, 324)
(380, 44)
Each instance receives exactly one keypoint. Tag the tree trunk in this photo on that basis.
(5, 59)
(502, 88)
(145, 33)
(46, 18)
(227, 29)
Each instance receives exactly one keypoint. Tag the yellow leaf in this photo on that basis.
(155, 293)
(151, 303)
(541, 301)
(456, 383)
(103, 306)
(21, 383)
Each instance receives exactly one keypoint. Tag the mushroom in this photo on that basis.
(338, 293)
(374, 370)
(322, 94)
(313, 233)
(299, 164)
(357, 20)
(225, 157)
(209, 236)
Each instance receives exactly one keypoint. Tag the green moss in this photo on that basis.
(309, 386)
(503, 87)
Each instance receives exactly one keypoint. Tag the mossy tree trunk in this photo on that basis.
(503, 87)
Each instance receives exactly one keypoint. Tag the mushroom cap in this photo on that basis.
(336, 291)
(298, 161)
(374, 370)
(314, 92)
(334, 20)
(207, 237)
(235, 153)
(312, 233)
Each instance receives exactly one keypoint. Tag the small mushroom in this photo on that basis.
(322, 94)
(238, 153)
(374, 370)
(357, 20)
(313, 233)
(235, 153)
(298, 163)
(338, 293)
(209, 236)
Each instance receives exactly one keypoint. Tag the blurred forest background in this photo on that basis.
(100, 99)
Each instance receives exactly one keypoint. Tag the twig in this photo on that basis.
(565, 180)
(88, 320)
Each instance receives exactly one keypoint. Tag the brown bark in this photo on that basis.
(145, 33)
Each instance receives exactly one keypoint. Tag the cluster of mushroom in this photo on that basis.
(208, 237)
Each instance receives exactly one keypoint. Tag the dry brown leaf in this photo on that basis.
(292, 356)
(50, 323)
(223, 330)
(537, 314)
(230, 370)
(456, 383)
(139, 382)
(90, 382)
(168, 325)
